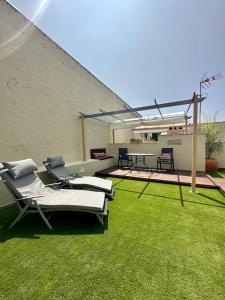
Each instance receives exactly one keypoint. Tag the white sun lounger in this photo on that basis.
(56, 168)
(31, 195)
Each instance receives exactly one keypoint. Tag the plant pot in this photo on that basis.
(211, 164)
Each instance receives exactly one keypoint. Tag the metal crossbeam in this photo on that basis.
(158, 108)
(141, 108)
(189, 106)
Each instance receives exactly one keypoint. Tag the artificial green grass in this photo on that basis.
(160, 242)
(217, 174)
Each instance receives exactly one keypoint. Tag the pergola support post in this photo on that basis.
(186, 126)
(113, 135)
(83, 138)
(194, 142)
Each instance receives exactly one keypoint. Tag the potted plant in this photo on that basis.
(215, 137)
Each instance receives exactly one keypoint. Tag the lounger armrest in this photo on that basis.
(52, 184)
(29, 198)
(74, 174)
(66, 178)
(3, 171)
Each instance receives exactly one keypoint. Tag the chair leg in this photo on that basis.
(100, 218)
(43, 216)
(70, 185)
(21, 215)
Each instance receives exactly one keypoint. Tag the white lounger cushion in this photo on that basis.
(91, 181)
(67, 199)
(27, 186)
(61, 173)
(56, 167)
(32, 195)
(30, 185)
(20, 168)
(55, 161)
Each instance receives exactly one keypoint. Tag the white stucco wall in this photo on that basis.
(42, 91)
(123, 135)
(182, 152)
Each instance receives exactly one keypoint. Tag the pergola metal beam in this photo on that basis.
(189, 106)
(158, 108)
(141, 108)
(158, 127)
(154, 121)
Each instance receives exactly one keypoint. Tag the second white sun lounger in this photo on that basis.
(31, 195)
(56, 168)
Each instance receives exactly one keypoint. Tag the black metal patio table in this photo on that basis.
(139, 157)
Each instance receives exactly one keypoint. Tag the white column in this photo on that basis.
(113, 135)
(83, 138)
(194, 143)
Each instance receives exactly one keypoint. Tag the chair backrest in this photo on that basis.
(23, 182)
(167, 151)
(123, 153)
(56, 167)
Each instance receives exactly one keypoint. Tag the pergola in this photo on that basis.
(111, 119)
(157, 123)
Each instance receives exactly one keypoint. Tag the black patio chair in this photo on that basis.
(167, 158)
(124, 157)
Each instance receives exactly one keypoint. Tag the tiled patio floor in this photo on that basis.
(177, 177)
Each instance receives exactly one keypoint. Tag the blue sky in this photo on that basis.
(142, 49)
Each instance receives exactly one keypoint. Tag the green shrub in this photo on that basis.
(215, 136)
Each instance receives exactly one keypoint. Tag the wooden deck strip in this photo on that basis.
(177, 177)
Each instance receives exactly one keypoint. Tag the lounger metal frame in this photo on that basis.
(67, 184)
(29, 205)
